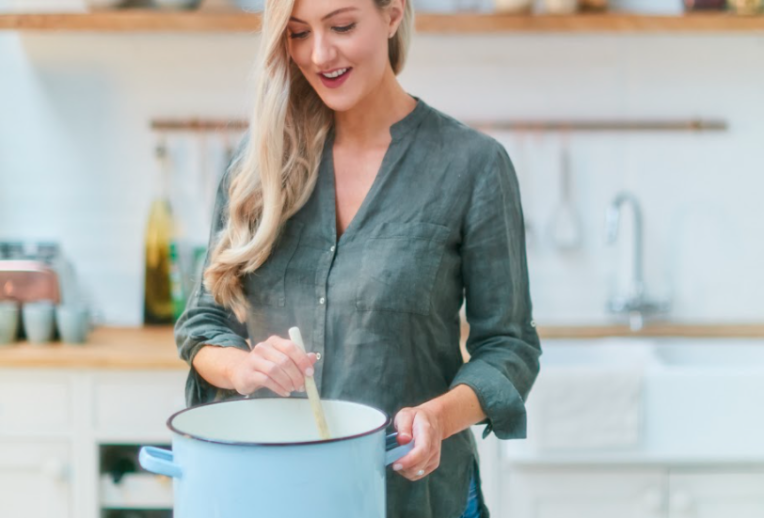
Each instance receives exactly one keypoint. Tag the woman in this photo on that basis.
(365, 217)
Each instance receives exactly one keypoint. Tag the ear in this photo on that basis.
(395, 10)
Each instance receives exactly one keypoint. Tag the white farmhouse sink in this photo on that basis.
(702, 399)
(707, 400)
(712, 353)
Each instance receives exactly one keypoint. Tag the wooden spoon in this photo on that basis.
(310, 388)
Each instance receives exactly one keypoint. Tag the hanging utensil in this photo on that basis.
(566, 224)
(524, 179)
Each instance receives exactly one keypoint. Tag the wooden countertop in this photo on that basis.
(153, 348)
(107, 348)
(670, 330)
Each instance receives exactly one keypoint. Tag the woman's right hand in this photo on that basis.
(277, 364)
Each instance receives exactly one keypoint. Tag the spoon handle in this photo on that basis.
(310, 388)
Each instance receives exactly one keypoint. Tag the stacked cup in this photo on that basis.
(9, 322)
(40, 320)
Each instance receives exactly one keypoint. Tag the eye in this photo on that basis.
(346, 28)
(298, 35)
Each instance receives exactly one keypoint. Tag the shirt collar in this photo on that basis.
(401, 128)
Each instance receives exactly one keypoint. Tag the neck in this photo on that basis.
(367, 124)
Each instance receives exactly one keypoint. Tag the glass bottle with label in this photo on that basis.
(158, 302)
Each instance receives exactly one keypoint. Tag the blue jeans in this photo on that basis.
(473, 505)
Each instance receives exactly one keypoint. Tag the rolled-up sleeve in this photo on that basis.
(503, 343)
(204, 321)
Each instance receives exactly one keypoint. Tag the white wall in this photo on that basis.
(76, 152)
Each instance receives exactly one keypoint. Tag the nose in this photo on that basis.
(323, 51)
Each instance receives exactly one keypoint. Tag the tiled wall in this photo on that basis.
(76, 153)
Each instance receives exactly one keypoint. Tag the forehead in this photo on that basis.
(315, 10)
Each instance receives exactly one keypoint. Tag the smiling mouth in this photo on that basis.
(336, 73)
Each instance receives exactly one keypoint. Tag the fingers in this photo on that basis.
(418, 458)
(263, 381)
(287, 366)
(277, 364)
(303, 361)
(404, 422)
(277, 378)
(425, 457)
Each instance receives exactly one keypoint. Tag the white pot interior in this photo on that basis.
(275, 421)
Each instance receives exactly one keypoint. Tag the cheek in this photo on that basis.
(299, 54)
(368, 50)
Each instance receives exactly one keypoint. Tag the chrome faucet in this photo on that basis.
(635, 304)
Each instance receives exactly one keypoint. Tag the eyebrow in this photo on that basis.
(333, 13)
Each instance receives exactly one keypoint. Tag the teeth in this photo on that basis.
(336, 73)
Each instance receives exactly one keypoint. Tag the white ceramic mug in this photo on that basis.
(9, 322)
(39, 321)
(73, 323)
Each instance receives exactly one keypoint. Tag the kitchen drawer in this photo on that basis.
(35, 480)
(137, 491)
(35, 403)
(136, 405)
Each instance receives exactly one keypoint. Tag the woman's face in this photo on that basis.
(341, 46)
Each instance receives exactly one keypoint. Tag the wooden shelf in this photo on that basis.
(214, 21)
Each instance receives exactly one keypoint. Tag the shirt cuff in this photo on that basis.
(199, 390)
(218, 340)
(498, 397)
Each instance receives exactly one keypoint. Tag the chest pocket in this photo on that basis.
(267, 284)
(398, 267)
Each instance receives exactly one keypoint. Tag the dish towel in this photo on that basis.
(586, 408)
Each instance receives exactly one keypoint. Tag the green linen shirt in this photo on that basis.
(441, 225)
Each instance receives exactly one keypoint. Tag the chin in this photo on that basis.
(339, 101)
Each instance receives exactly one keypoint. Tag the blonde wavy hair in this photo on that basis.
(276, 173)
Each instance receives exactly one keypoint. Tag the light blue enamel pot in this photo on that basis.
(263, 458)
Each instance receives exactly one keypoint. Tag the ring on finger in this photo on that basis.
(420, 473)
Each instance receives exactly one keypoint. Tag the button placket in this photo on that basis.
(319, 335)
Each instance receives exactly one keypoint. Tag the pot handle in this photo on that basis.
(395, 452)
(159, 461)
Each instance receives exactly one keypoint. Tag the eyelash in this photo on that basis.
(341, 30)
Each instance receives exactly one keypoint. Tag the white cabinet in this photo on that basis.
(35, 480)
(52, 422)
(584, 493)
(656, 492)
(35, 403)
(135, 406)
(716, 494)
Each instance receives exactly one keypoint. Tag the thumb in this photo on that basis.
(404, 422)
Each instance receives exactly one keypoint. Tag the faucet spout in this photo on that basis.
(612, 224)
(635, 306)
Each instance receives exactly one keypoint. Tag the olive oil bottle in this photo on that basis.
(158, 305)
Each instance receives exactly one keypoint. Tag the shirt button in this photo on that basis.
(533, 323)
(322, 300)
(332, 249)
(318, 356)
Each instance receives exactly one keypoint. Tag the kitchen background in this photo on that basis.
(77, 153)
(78, 166)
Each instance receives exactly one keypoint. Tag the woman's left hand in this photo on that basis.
(424, 426)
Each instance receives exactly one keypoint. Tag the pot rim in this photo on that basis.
(281, 444)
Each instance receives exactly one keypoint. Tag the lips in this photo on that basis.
(335, 82)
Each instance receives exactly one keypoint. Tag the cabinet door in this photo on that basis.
(135, 406)
(584, 493)
(716, 493)
(34, 480)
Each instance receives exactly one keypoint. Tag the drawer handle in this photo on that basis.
(159, 461)
(55, 470)
(653, 501)
(681, 502)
